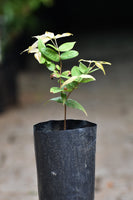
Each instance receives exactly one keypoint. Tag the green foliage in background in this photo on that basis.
(19, 13)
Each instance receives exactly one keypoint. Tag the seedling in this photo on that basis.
(47, 51)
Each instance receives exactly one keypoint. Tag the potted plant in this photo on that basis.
(65, 149)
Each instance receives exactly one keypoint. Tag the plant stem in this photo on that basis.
(65, 107)
(65, 116)
(60, 61)
(60, 68)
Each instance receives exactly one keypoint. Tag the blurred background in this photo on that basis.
(103, 31)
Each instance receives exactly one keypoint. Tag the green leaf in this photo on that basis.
(65, 74)
(50, 66)
(83, 68)
(70, 80)
(38, 56)
(58, 67)
(79, 79)
(42, 60)
(57, 99)
(75, 71)
(56, 74)
(66, 46)
(66, 77)
(74, 104)
(55, 90)
(86, 78)
(69, 54)
(50, 54)
(47, 52)
(41, 45)
(93, 70)
(64, 97)
(72, 86)
(61, 80)
(50, 45)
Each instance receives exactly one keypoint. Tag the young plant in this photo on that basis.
(47, 51)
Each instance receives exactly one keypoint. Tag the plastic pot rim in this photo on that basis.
(72, 125)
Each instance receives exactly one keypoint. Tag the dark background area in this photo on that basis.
(87, 15)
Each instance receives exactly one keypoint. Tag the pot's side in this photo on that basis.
(65, 160)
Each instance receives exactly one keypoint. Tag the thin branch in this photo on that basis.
(53, 43)
(60, 61)
(91, 67)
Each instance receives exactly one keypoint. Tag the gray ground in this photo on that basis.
(109, 103)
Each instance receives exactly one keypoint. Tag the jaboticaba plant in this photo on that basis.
(47, 51)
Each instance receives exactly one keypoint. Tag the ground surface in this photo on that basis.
(109, 103)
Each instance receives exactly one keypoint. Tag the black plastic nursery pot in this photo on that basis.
(65, 160)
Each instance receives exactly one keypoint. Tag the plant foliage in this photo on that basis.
(47, 51)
